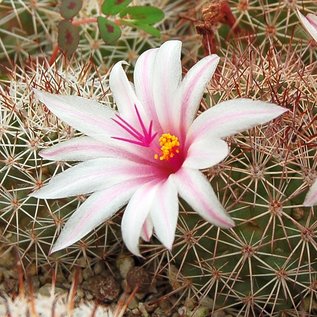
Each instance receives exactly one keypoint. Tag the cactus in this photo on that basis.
(222, 23)
(30, 27)
(266, 265)
(26, 128)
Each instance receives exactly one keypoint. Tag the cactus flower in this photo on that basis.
(310, 23)
(149, 151)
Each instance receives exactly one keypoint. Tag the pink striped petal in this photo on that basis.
(77, 149)
(166, 78)
(93, 119)
(311, 197)
(193, 187)
(86, 148)
(164, 212)
(93, 175)
(191, 91)
(204, 153)
(230, 117)
(147, 229)
(136, 214)
(85, 115)
(124, 94)
(143, 81)
(99, 207)
(310, 23)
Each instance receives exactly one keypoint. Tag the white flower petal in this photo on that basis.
(86, 148)
(143, 81)
(123, 93)
(204, 153)
(164, 212)
(85, 115)
(166, 78)
(94, 211)
(311, 197)
(193, 187)
(135, 215)
(310, 23)
(77, 149)
(93, 175)
(93, 119)
(147, 229)
(192, 88)
(232, 116)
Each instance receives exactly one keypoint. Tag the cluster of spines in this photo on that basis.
(263, 266)
(26, 127)
(266, 264)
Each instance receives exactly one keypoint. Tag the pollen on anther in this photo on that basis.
(169, 147)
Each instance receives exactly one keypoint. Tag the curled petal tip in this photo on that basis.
(172, 43)
(311, 197)
(46, 154)
(54, 249)
(310, 23)
(214, 57)
(38, 193)
(35, 194)
(227, 222)
(231, 223)
(60, 244)
(43, 153)
(308, 203)
(36, 91)
(169, 246)
(137, 253)
(39, 94)
(117, 64)
(283, 110)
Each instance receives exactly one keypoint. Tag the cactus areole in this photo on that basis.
(149, 151)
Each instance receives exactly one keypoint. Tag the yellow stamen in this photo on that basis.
(169, 147)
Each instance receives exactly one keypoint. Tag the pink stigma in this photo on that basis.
(143, 138)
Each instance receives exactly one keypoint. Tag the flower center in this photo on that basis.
(169, 144)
